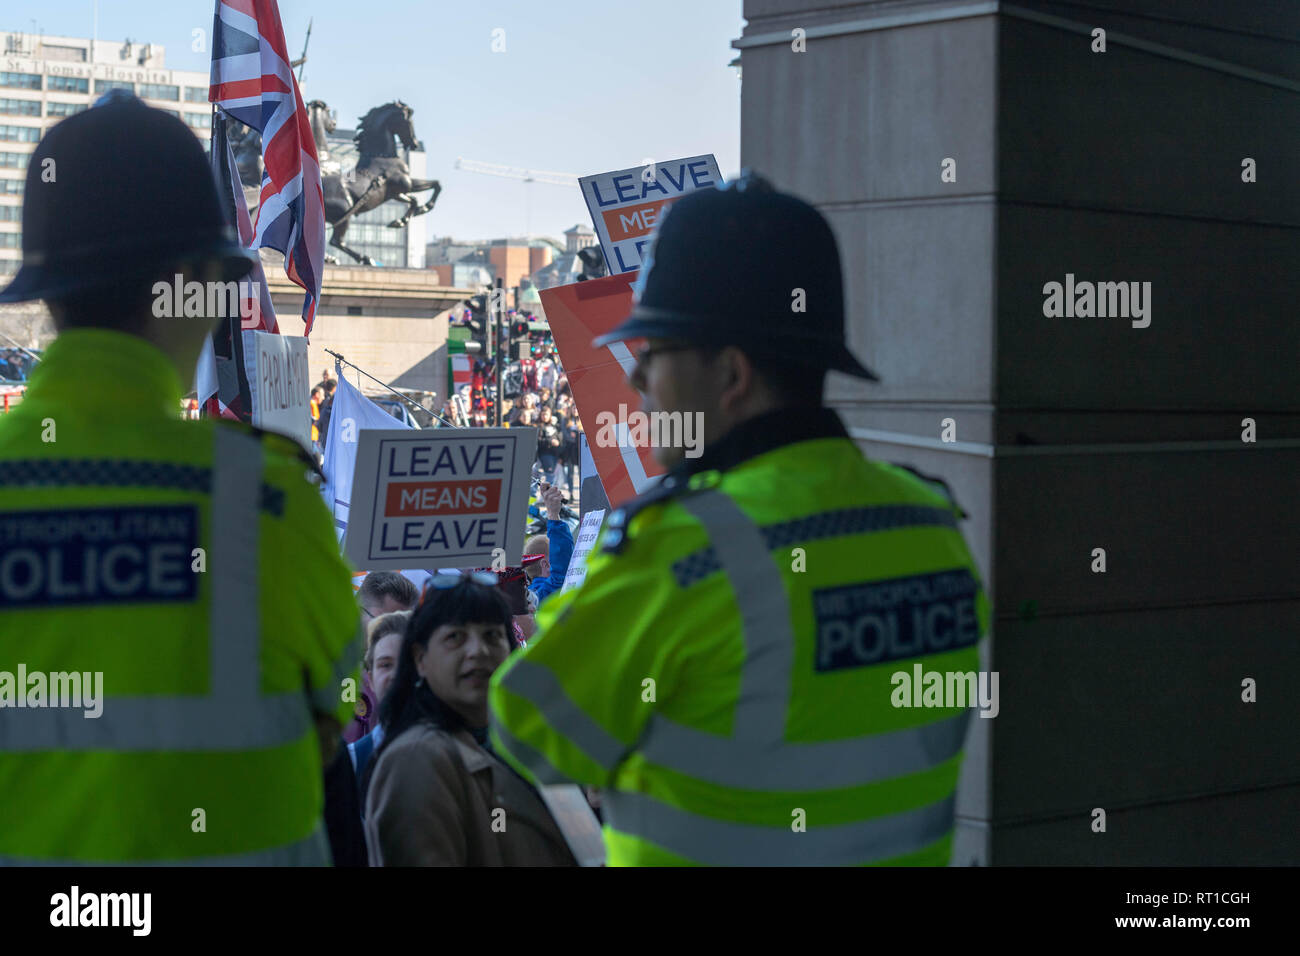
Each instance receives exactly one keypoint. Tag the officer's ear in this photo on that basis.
(738, 379)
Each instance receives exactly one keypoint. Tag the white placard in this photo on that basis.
(440, 497)
(279, 384)
(625, 204)
(588, 532)
(578, 824)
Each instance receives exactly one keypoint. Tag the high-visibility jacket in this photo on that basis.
(727, 670)
(194, 567)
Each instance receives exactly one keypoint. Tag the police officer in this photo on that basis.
(730, 672)
(179, 578)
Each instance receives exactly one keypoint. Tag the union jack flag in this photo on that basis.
(256, 313)
(253, 82)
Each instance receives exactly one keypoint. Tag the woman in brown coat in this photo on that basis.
(437, 795)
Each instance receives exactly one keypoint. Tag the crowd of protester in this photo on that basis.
(543, 401)
(536, 395)
(322, 404)
(417, 781)
(15, 364)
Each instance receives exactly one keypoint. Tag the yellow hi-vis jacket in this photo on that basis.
(188, 575)
(727, 672)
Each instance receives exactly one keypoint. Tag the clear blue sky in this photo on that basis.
(582, 87)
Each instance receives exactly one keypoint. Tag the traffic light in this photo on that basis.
(478, 320)
(593, 263)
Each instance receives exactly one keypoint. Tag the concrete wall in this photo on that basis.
(1119, 690)
(390, 322)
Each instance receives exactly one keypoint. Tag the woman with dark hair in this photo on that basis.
(438, 796)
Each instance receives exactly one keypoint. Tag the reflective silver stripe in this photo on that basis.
(824, 765)
(537, 765)
(765, 611)
(328, 697)
(537, 685)
(235, 618)
(234, 715)
(724, 843)
(312, 851)
(188, 724)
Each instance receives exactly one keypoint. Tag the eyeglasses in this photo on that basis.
(445, 582)
(645, 354)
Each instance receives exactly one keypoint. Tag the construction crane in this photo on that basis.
(513, 172)
(524, 175)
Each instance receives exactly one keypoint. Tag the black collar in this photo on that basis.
(762, 434)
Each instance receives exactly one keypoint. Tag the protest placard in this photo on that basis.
(578, 313)
(445, 497)
(588, 532)
(625, 204)
(578, 824)
(592, 493)
(278, 384)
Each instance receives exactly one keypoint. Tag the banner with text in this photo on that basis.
(439, 498)
(278, 384)
(588, 532)
(626, 203)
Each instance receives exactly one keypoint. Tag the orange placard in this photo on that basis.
(629, 222)
(577, 314)
(476, 496)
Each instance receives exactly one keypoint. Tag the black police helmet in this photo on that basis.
(120, 190)
(726, 266)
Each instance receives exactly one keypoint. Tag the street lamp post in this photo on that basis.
(498, 318)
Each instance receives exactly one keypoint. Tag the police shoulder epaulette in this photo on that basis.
(615, 536)
(281, 443)
(936, 484)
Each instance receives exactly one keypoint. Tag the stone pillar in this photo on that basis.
(1120, 690)
(390, 322)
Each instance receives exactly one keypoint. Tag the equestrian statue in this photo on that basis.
(380, 173)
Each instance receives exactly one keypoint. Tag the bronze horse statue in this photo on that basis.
(380, 174)
(246, 145)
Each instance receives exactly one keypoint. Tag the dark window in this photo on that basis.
(20, 134)
(21, 107)
(103, 86)
(24, 81)
(68, 84)
(159, 91)
(64, 109)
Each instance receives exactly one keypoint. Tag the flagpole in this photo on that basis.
(410, 401)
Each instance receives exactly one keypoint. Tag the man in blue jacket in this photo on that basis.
(545, 577)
